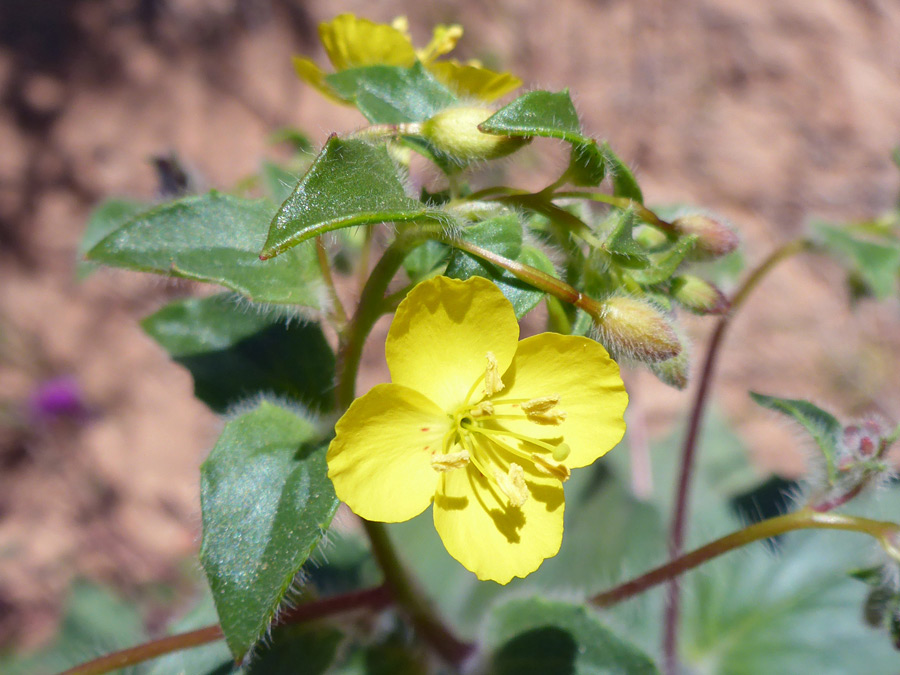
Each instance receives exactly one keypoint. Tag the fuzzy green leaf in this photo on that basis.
(823, 426)
(501, 235)
(350, 183)
(235, 353)
(213, 238)
(664, 265)
(542, 636)
(105, 219)
(392, 94)
(552, 115)
(266, 500)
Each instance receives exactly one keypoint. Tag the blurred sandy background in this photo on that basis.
(771, 113)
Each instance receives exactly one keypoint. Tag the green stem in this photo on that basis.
(370, 308)
(411, 599)
(371, 598)
(688, 453)
(619, 202)
(884, 532)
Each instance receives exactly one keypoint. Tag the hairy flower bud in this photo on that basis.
(698, 295)
(636, 329)
(455, 131)
(714, 239)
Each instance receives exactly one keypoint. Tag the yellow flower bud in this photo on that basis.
(636, 329)
(455, 131)
(698, 295)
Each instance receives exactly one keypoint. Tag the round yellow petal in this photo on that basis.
(441, 335)
(352, 41)
(380, 458)
(590, 392)
(498, 542)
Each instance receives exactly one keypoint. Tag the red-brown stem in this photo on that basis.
(373, 599)
(689, 448)
(800, 520)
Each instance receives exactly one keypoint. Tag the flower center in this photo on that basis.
(481, 435)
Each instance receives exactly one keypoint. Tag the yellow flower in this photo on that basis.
(485, 425)
(352, 42)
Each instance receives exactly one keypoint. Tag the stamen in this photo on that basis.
(483, 409)
(512, 434)
(554, 417)
(450, 460)
(512, 484)
(541, 404)
(551, 468)
(492, 380)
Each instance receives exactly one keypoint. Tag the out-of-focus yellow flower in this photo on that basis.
(353, 42)
(485, 425)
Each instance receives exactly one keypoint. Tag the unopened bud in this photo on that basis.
(698, 295)
(674, 372)
(636, 329)
(455, 131)
(714, 239)
(866, 440)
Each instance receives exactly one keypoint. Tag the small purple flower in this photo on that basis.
(56, 399)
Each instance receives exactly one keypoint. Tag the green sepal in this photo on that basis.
(214, 238)
(235, 352)
(664, 265)
(541, 636)
(392, 94)
(621, 245)
(266, 500)
(825, 429)
(350, 183)
(624, 182)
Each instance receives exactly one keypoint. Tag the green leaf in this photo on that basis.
(542, 636)
(664, 265)
(501, 235)
(425, 259)
(823, 426)
(105, 219)
(214, 238)
(296, 650)
(235, 352)
(538, 113)
(621, 244)
(624, 182)
(266, 500)
(876, 263)
(552, 115)
(350, 183)
(392, 94)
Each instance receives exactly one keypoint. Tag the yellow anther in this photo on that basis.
(561, 451)
(549, 417)
(512, 484)
(483, 409)
(551, 468)
(540, 404)
(450, 460)
(492, 380)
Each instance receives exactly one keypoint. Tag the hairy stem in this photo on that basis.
(371, 598)
(805, 519)
(642, 211)
(338, 315)
(688, 452)
(411, 599)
